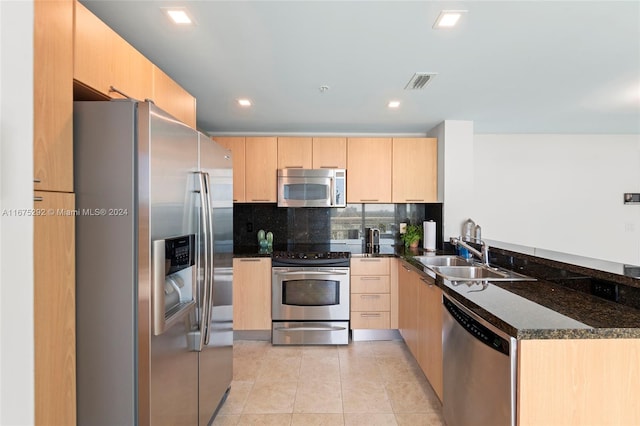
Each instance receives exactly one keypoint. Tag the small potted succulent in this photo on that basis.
(412, 236)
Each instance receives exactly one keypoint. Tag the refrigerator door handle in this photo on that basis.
(207, 329)
(204, 217)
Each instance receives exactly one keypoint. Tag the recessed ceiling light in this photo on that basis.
(393, 104)
(179, 16)
(448, 18)
(244, 102)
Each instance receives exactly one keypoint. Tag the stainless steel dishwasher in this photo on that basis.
(479, 369)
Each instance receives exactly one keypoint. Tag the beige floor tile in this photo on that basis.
(280, 368)
(394, 369)
(226, 420)
(271, 397)
(361, 396)
(420, 419)
(317, 419)
(320, 351)
(364, 383)
(357, 349)
(284, 351)
(265, 420)
(368, 419)
(250, 348)
(360, 369)
(320, 368)
(237, 397)
(246, 368)
(410, 397)
(318, 397)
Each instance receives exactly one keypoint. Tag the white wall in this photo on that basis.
(455, 173)
(560, 192)
(16, 233)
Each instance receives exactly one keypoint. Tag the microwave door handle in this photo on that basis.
(332, 188)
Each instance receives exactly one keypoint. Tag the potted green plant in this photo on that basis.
(412, 235)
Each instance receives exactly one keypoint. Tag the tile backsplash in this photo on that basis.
(300, 226)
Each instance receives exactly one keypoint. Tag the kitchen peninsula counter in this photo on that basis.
(556, 305)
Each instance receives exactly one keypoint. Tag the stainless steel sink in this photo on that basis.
(442, 261)
(457, 273)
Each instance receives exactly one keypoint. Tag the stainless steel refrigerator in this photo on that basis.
(154, 244)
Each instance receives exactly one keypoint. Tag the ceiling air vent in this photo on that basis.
(420, 80)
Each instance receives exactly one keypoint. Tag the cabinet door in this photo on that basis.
(369, 170)
(131, 72)
(237, 147)
(408, 285)
(54, 310)
(53, 96)
(168, 95)
(93, 46)
(261, 164)
(252, 294)
(329, 153)
(429, 334)
(294, 153)
(415, 170)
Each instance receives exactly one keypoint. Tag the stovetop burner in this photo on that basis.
(331, 258)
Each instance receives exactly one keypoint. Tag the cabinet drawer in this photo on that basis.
(370, 302)
(378, 320)
(370, 266)
(370, 284)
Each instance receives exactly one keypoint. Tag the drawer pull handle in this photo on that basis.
(370, 278)
(38, 198)
(370, 315)
(250, 260)
(368, 199)
(259, 199)
(370, 260)
(328, 167)
(36, 180)
(370, 296)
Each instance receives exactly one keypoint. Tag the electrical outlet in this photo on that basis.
(604, 289)
(403, 228)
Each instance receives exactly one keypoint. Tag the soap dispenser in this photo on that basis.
(468, 229)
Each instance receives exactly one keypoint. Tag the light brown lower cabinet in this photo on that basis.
(370, 293)
(578, 382)
(420, 322)
(252, 293)
(54, 309)
(408, 287)
(429, 334)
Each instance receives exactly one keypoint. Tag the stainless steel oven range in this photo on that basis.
(310, 298)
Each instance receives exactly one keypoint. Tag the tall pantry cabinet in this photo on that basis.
(54, 240)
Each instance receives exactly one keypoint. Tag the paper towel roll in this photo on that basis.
(429, 240)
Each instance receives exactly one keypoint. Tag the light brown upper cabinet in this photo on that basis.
(294, 153)
(369, 170)
(53, 96)
(104, 59)
(329, 153)
(171, 97)
(261, 164)
(237, 147)
(415, 170)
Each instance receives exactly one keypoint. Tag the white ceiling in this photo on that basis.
(511, 67)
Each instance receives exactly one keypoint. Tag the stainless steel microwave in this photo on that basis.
(312, 188)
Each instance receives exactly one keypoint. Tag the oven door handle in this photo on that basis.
(308, 328)
(305, 273)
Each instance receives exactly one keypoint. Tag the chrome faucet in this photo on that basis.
(483, 255)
